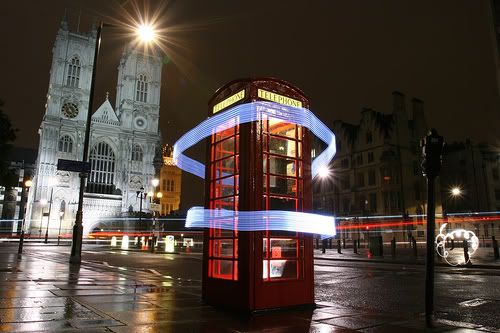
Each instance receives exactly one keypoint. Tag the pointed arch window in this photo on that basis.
(141, 94)
(65, 144)
(137, 153)
(102, 176)
(74, 68)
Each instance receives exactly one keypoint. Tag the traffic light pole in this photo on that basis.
(432, 148)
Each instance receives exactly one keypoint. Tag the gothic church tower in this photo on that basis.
(122, 142)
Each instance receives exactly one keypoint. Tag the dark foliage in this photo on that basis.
(7, 136)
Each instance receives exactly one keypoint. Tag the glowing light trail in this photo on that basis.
(198, 217)
(441, 239)
(249, 112)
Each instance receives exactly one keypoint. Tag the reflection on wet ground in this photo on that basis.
(45, 293)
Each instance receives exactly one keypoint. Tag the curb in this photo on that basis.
(410, 263)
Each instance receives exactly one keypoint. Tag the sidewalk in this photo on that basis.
(482, 258)
(44, 293)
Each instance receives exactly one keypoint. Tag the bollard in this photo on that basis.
(466, 252)
(152, 242)
(452, 244)
(354, 246)
(339, 249)
(414, 246)
(330, 245)
(323, 246)
(343, 243)
(317, 243)
(393, 247)
(494, 243)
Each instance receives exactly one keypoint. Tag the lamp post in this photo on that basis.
(155, 197)
(27, 184)
(146, 33)
(52, 183)
(61, 214)
(43, 202)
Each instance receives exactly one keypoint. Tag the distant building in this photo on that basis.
(170, 183)
(123, 142)
(376, 170)
(473, 170)
(13, 199)
(494, 18)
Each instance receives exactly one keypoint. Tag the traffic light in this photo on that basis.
(432, 149)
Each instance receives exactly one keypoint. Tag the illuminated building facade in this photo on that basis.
(170, 183)
(123, 141)
(377, 167)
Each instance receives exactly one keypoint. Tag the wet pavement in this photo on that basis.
(119, 291)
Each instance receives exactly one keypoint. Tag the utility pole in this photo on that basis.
(432, 148)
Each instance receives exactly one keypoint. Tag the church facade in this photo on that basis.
(124, 138)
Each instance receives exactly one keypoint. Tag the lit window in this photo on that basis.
(142, 89)
(73, 77)
(102, 161)
(137, 153)
(66, 144)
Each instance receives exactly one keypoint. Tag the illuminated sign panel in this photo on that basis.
(229, 101)
(273, 97)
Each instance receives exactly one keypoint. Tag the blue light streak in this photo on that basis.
(249, 112)
(199, 217)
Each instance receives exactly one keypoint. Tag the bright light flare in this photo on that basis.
(323, 172)
(146, 32)
(456, 191)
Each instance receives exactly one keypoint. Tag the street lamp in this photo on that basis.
(146, 33)
(141, 195)
(43, 203)
(456, 191)
(154, 197)
(27, 184)
(61, 214)
(52, 183)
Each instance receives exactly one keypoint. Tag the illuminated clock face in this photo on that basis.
(70, 110)
(140, 123)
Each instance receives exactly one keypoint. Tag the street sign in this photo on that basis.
(155, 207)
(71, 165)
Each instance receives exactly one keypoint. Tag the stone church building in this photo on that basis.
(123, 143)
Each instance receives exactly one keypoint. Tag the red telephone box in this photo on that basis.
(262, 165)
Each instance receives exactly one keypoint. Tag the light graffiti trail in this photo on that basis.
(257, 220)
(467, 235)
(249, 112)
(199, 217)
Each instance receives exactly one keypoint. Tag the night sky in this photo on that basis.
(344, 55)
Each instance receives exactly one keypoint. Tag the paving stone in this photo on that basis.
(126, 306)
(51, 326)
(85, 292)
(354, 323)
(90, 323)
(16, 315)
(96, 299)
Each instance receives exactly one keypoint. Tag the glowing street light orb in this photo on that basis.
(442, 238)
(323, 172)
(456, 191)
(155, 182)
(146, 32)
